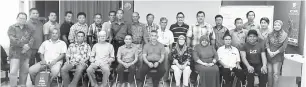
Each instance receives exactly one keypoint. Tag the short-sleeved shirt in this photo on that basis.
(238, 37)
(138, 32)
(251, 26)
(154, 52)
(106, 26)
(93, 31)
(65, 29)
(196, 31)
(127, 53)
(119, 31)
(52, 50)
(229, 56)
(78, 52)
(178, 30)
(75, 29)
(149, 28)
(103, 53)
(38, 36)
(49, 26)
(18, 38)
(253, 52)
(165, 37)
(219, 35)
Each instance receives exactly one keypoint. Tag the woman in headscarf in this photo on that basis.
(206, 57)
(276, 45)
(181, 54)
(264, 30)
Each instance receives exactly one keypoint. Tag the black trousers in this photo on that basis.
(131, 72)
(156, 76)
(263, 78)
(229, 77)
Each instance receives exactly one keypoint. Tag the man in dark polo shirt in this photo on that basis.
(65, 27)
(153, 57)
(179, 28)
(254, 58)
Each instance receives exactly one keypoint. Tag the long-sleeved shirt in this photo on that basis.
(37, 26)
(75, 29)
(277, 43)
(77, 53)
(138, 31)
(205, 54)
(18, 38)
(119, 31)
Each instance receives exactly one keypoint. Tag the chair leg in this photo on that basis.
(198, 78)
(144, 82)
(135, 80)
(163, 83)
(116, 82)
(171, 76)
(58, 85)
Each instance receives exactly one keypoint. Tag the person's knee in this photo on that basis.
(106, 71)
(275, 75)
(89, 70)
(80, 70)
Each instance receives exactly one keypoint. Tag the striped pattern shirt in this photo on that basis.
(178, 30)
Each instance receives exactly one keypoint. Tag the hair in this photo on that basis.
(21, 13)
(180, 13)
(249, 13)
(237, 19)
(154, 31)
(163, 18)
(265, 19)
(226, 34)
(150, 14)
(200, 12)
(97, 14)
(33, 9)
(81, 13)
(252, 32)
(217, 16)
(120, 10)
(129, 35)
(111, 12)
(52, 12)
(68, 12)
(136, 13)
(279, 21)
(81, 32)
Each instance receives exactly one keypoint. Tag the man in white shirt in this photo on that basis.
(107, 25)
(229, 58)
(166, 38)
(51, 53)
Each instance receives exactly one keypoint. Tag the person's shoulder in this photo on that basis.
(61, 42)
(221, 48)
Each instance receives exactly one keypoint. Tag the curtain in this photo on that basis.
(89, 7)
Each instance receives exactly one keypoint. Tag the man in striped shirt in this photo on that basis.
(179, 28)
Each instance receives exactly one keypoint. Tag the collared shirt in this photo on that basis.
(49, 26)
(75, 29)
(219, 35)
(127, 53)
(138, 32)
(238, 37)
(178, 30)
(154, 52)
(65, 29)
(165, 37)
(196, 31)
(78, 52)
(229, 56)
(93, 31)
(119, 31)
(251, 26)
(38, 36)
(149, 28)
(18, 38)
(102, 54)
(106, 26)
(52, 50)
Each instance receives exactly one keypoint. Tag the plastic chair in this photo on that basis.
(126, 71)
(152, 71)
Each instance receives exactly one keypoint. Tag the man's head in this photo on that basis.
(153, 35)
(68, 16)
(80, 37)
(112, 15)
(54, 34)
(163, 22)
(150, 18)
(135, 17)
(98, 18)
(219, 20)
(34, 13)
(250, 15)
(81, 17)
(119, 14)
(52, 16)
(227, 39)
(180, 17)
(102, 36)
(238, 23)
(252, 36)
(200, 16)
(21, 18)
(128, 39)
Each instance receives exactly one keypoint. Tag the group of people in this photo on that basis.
(184, 50)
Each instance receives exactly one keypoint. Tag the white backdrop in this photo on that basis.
(230, 13)
(169, 9)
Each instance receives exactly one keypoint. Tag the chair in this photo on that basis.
(100, 70)
(152, 71)
(171, 74)
(234, 81)
(74, 70)
(126, 71)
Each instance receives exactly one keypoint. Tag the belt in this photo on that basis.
(165, 45)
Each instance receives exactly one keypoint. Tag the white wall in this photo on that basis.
(169, 9)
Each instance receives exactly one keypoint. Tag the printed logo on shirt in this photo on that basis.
(253, 51)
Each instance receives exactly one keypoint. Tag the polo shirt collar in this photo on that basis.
(55, 41)
(179, 25)
(205, 24)
(81, 24)
(250, 23)
(228, 48)
(131, 46)
(16, 25)
(220, 27)
(34, 21)
(80, 44)
(117, 22)
(153, 24)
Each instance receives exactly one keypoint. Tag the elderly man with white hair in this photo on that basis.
(101, 57)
